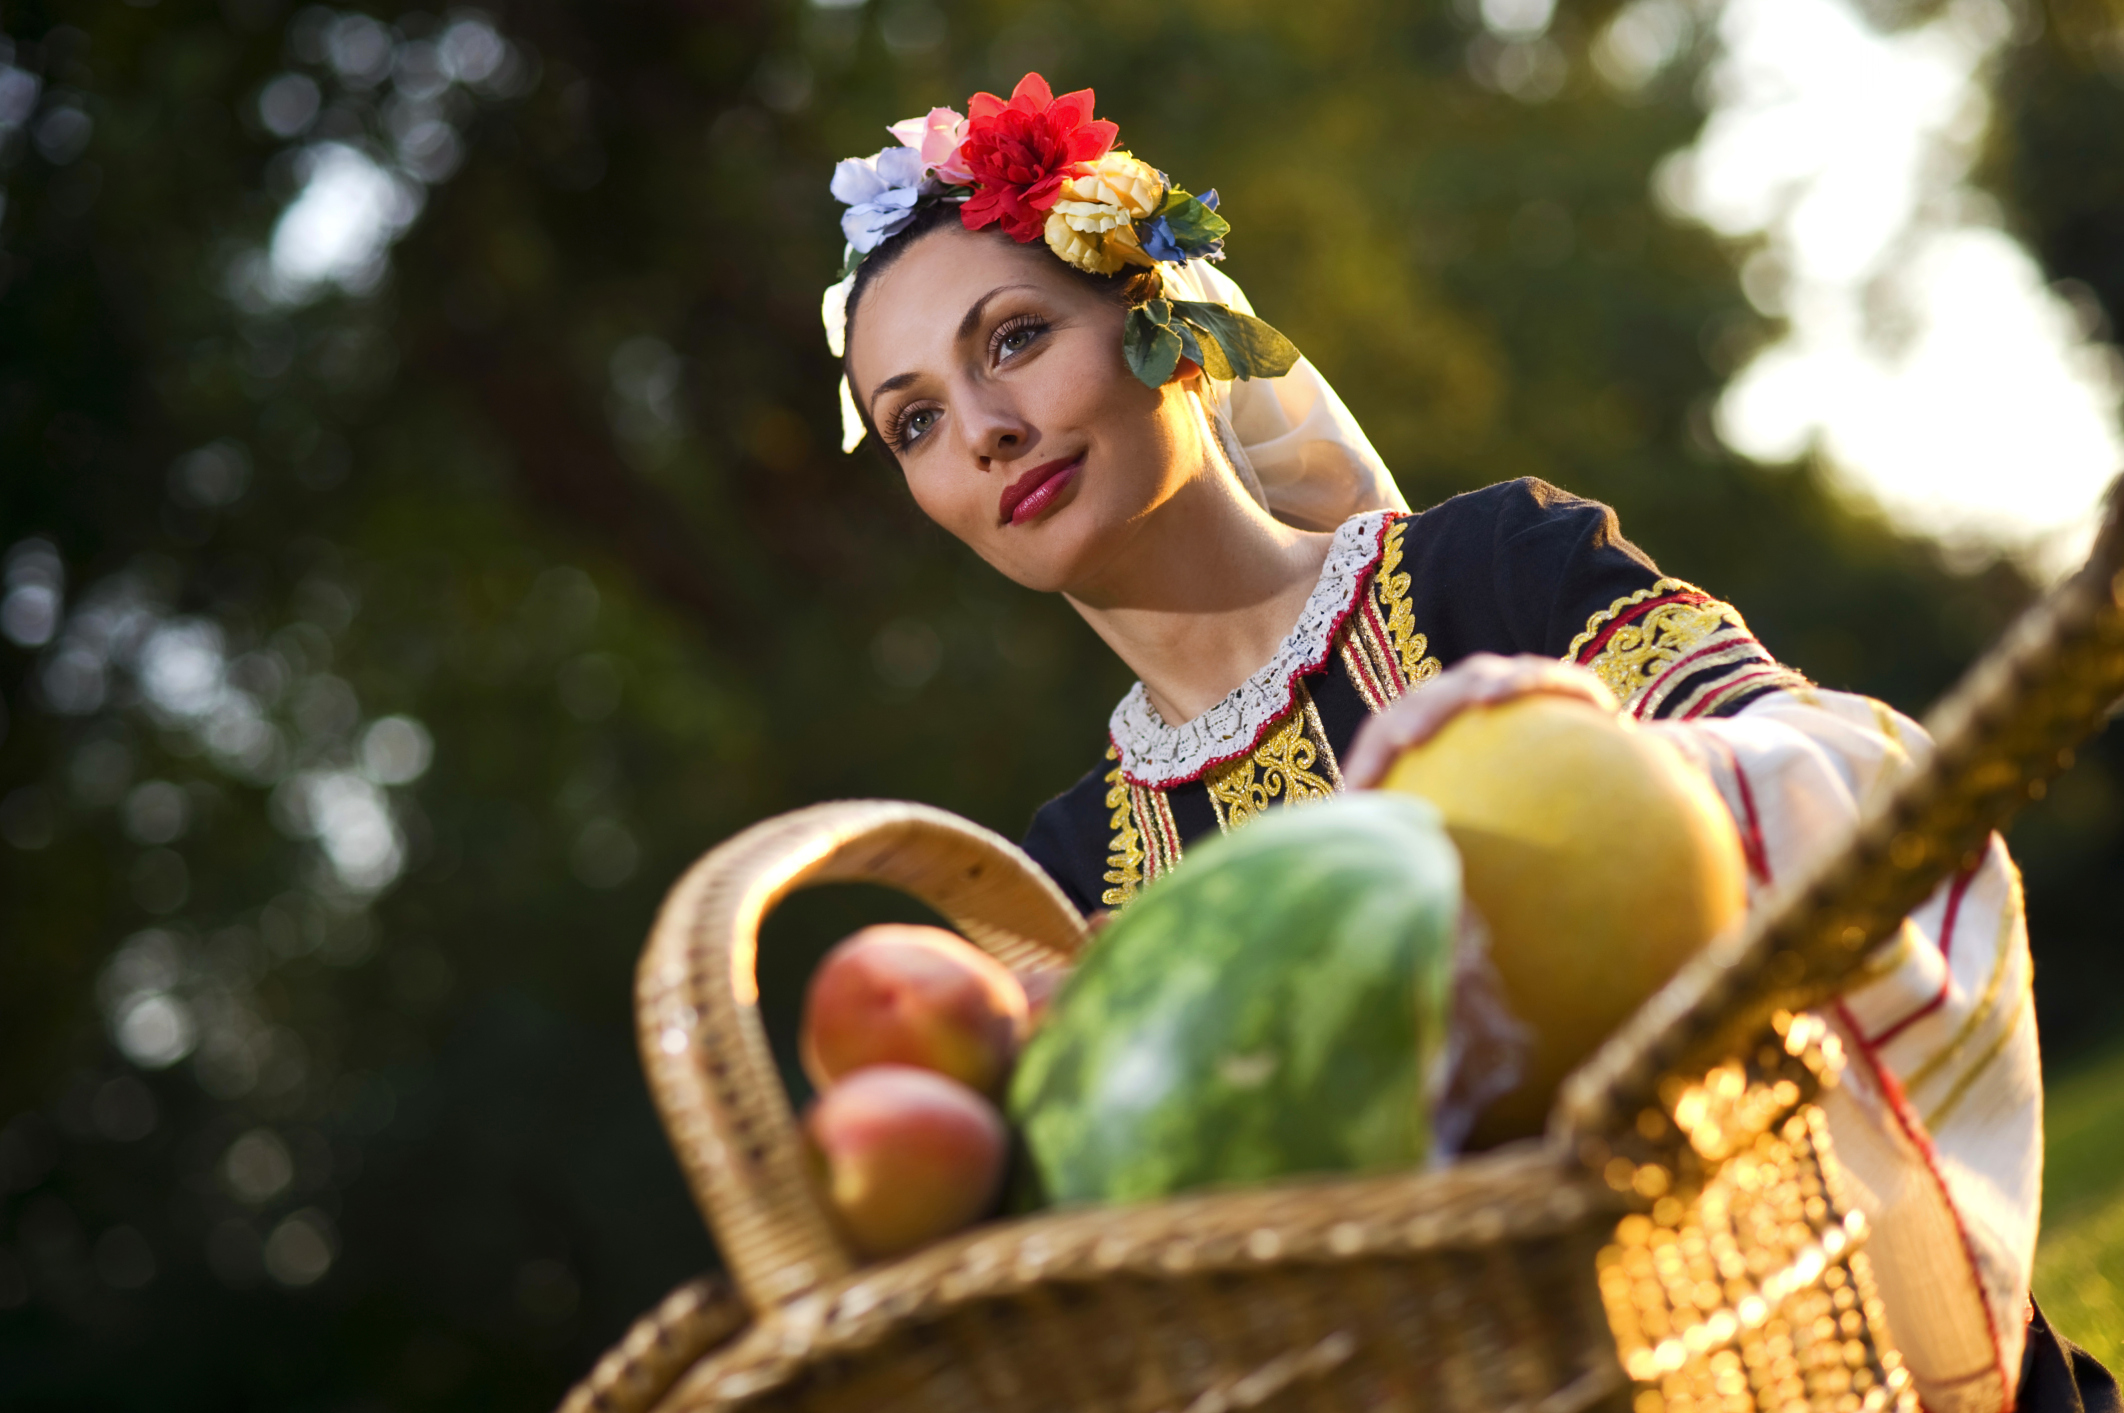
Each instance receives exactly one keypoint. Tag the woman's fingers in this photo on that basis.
(1483, 679)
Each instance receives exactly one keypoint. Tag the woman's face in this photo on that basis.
(996, 377)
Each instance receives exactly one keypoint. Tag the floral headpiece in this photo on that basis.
(1043, 168)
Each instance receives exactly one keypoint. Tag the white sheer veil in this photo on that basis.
(1293, 442)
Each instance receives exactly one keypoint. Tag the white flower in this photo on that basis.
(833, 312)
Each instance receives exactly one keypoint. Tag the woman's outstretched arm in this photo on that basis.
(1938, 1123)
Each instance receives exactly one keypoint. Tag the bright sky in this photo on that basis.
(1926, 360)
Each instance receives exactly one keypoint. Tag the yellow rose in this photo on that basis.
(1089, 217)
(1082, 246)
(1123, 243)
(1120, 181)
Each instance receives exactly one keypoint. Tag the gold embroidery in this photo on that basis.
(1364, 671)
(1124, 860)
(1712, 700)
(1294, 763)
(1962, 1086)
(2001, 962)
(1318, 732)
(1593, 624)
(1161, 833)
(1637, 653)
(1369, 655)
(1281, 767)
(1410, 646)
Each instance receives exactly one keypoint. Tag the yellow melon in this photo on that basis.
(1599, 859)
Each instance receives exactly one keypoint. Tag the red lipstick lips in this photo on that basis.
(1036, 490)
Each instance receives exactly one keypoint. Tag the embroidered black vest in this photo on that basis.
(1519, 567)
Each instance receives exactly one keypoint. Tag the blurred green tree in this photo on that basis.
(2055, 158)
(390, 615)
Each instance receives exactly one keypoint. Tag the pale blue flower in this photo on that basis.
(880, 194)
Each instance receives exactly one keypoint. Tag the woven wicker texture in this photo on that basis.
(697, 1011)
(1675, 1245)
(689, 1322)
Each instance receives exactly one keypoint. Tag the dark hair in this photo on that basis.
(1128, 288)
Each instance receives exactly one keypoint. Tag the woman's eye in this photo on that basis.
(1017, 340)
(916, 423)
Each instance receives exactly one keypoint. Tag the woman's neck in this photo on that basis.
(1200, 598)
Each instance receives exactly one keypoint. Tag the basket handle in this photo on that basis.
(2010, 724)
(697, 1007)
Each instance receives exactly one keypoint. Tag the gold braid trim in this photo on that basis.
(1281, 767)
(1124, 860)
(1392, 589)
(1294, 763)
(1637, 653)
(1363, 657)
(1162, 846)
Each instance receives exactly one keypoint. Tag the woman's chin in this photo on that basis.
(1050, 553)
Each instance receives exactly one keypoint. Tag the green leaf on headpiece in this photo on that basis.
(1254, 349)
(1202, 346)
(1190, 346)
(1152, 347)
(848, 264)
(1193, 224)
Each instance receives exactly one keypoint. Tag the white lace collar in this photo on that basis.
(1153, 753)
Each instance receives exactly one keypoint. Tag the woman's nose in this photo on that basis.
(997, 431)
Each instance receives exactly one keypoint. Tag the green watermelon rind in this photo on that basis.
(1274, 1007)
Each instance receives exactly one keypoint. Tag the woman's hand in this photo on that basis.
(1481, 680)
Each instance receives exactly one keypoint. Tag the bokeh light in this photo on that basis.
(1926, 357)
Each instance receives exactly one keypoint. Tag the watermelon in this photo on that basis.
(1276, 1005)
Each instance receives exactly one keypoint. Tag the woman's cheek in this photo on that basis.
(950, 502)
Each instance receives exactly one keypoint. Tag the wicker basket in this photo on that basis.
(1675, 1244)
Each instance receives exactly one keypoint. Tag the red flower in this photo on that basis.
(1022, 151)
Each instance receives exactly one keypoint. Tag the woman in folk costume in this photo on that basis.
(1032, 324)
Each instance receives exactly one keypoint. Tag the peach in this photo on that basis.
(898, 994)
(906, 1156)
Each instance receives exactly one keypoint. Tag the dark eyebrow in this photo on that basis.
(891, 384)
(972, 320)
(967, 325)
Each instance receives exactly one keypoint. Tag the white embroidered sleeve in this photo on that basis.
(1938, 1122)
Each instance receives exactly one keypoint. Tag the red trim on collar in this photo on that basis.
(1362, 586)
